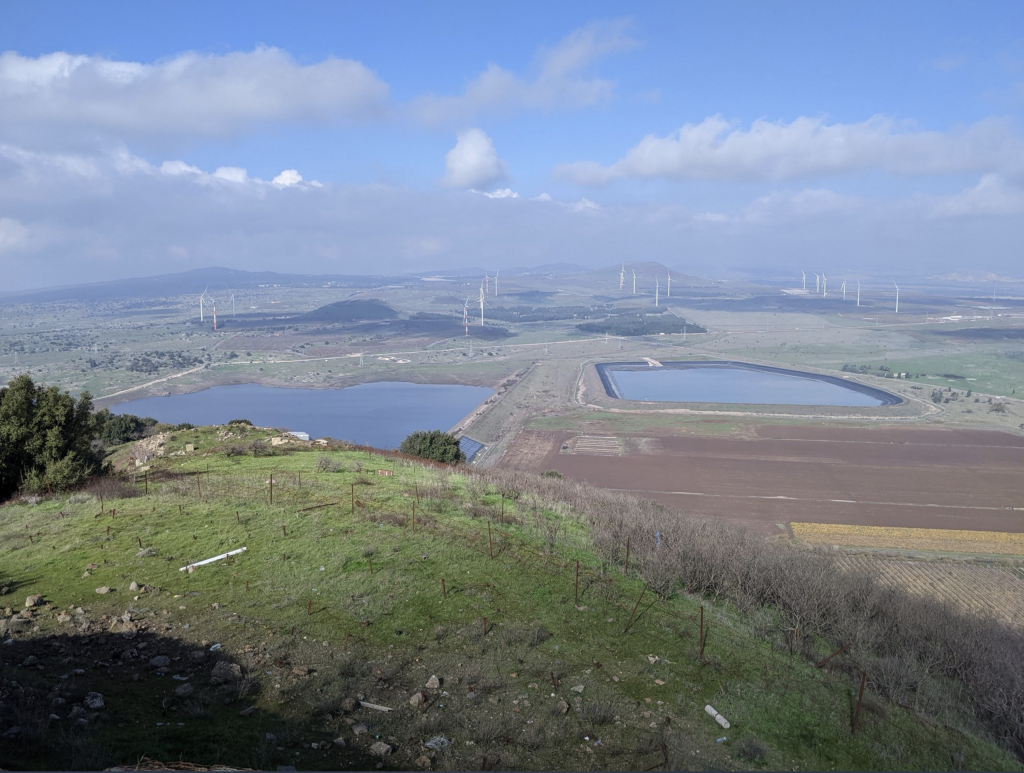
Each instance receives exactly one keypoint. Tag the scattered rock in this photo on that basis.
(247, 711)
(359, 728)
(146, 553)
(349, 704)
(184, 690)
(34, 601)
(381, 749)
(300, 670)
(226, 672)
(578, 688)
(63, 618)
(31, 660)
(197, 656)
(339, 742)
(103, 590)
(423, 762)
(563, 707)
(94, 701)
(76, 712)
(26, 614)
(433, 683)
(134, 586)
(160, 661)
(416, 700)
(91, 567)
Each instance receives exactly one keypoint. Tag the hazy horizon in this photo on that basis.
(347, 139)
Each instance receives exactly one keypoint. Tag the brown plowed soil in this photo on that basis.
(892, 476)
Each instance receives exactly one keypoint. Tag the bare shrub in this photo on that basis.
(326, 464)
(111, 487)
(752, 749)
(259, 448)
(599, 712)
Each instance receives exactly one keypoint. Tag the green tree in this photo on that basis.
(435, 445)
(114, 429)
(45, 438)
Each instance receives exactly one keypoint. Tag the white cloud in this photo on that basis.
(288, 177)
(500, 193)
(473, 162)
(130, 218)
(992, 196)
(233, 174)
(60, 100)
(561, 80)
(716, 149)
(13, 234)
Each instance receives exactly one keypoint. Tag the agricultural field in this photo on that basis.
(992, 590)
(762, 477)
(890, 538)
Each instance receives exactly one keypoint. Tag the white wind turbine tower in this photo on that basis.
(622, 276)
(817, 284)
(481, 305)
(634, 281)
(669, 293)
(201, 299)
(897, 295)
(843, 288)
(487, 284)
(804, 279)
(657, 290)
(496, 283)
(465, 316)
(824, 285)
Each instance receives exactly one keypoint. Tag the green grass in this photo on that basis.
(305, 596)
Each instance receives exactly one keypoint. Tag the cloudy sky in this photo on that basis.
(142, 138)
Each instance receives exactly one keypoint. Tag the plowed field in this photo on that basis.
(886, 476)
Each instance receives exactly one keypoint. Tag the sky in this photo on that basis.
(858, 139)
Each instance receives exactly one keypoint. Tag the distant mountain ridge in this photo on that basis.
(217, 278)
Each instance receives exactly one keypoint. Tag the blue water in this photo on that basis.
(379, 415)
(735, 385)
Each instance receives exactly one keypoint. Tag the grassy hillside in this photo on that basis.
(344, 595)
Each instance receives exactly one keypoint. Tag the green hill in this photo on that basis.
(563, 626)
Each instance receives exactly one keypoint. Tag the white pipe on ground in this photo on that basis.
(717, 717)
(211, 560)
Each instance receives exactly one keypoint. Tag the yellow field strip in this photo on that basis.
(895, 538)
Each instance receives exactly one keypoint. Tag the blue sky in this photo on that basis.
(867, 136)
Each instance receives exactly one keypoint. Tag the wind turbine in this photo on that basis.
(657, 290)
(824, 285)
(817, 284)
(481, 305)
(201, 298)
(669, 293)
(897, 295)
(622, 276)
(465, 316)
(634, 281)
(487, 283)
(496, 283)
(804, 278)
(843, 288)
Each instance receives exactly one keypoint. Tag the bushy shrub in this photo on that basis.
(45, 438)
(435, 445)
